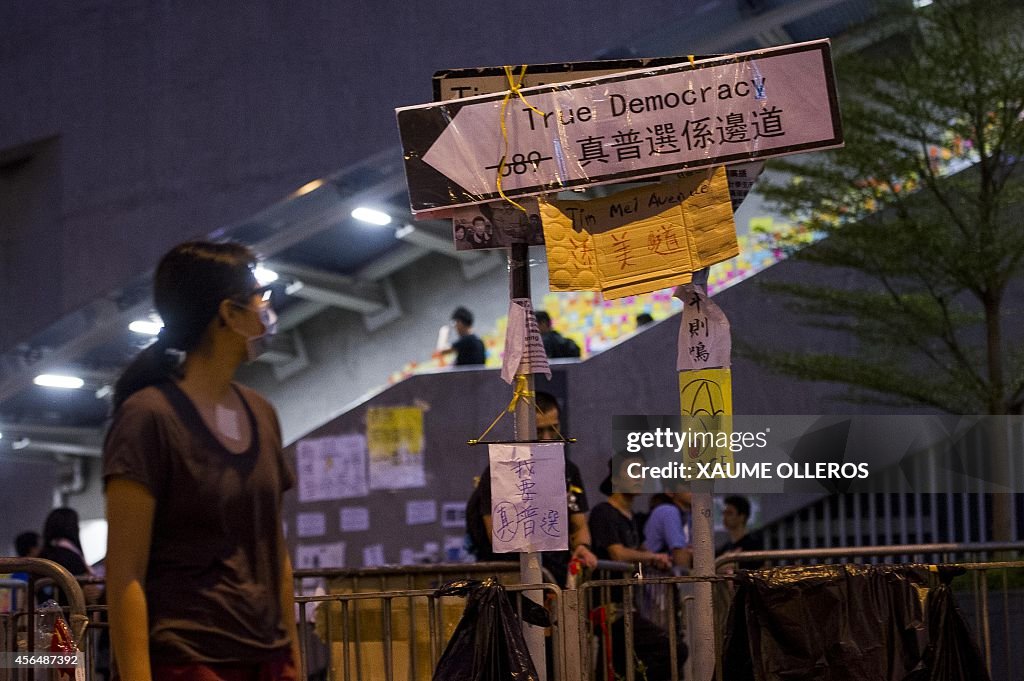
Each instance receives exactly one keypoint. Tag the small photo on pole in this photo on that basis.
(497, 225)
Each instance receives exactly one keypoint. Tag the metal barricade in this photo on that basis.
(18, 628)
(907, 553)
(997, 621)
(12, 595)
(626, 604)
(401, 633)
(615, 614)
(97, 635)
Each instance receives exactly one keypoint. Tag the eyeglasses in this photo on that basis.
(264, 292)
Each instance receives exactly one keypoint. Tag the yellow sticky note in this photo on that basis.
(640, 240)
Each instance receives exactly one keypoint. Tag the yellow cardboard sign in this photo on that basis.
(706, 396)
(640, 240)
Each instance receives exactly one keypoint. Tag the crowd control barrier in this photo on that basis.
(389, 624)
(26, 632)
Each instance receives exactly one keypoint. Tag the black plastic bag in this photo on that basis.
(826, 623)
(952, 653)
(839, 622)
(488, 643)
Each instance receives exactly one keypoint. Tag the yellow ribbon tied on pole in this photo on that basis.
(514, 85)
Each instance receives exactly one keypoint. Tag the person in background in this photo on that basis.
(617, 537)
(198, 576)
(668, 526)
(612, 524)
(26, 545)
(468, 349)
(555, 344)
(735, 514)
(62, 545)
(478, 508)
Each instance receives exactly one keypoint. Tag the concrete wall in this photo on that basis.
(167, 120)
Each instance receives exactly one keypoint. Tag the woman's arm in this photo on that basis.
(130, 517)
(288, 605)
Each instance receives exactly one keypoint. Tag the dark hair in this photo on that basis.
(659, 499)
(62, 523)
(741, 505)
(480, 218)
(546, 402)
(543, 317)
(643, 319)
(463, 315)
(25, 542)
(189, 285)
(616, 464)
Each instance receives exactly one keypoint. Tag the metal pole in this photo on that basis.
(702, 646)
(526, 429)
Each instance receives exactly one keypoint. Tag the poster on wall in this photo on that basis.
(317, 556)
(354, 519)
(395, 443)
(421, 512)
(331, 468)
(453, 514)
(373, 555)
(311, 524)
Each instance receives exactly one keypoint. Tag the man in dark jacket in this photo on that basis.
(555, 344)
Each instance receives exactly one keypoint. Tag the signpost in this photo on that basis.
(565, 126)
(625, 126)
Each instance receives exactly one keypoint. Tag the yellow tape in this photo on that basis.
(521, 391)
(514, 85)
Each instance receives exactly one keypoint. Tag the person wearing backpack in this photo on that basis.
(555, 344)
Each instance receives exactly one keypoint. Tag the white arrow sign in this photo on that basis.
(631, 125)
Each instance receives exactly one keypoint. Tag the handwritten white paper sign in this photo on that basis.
(528, 504)
(704, 338)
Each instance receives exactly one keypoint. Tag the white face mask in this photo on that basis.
(260, 343)
(257, 345)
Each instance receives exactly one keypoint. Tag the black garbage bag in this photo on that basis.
(737, 664)
(952, 653)
(488, 643)
(826, 623)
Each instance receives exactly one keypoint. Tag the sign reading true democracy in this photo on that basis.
(635, 124)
